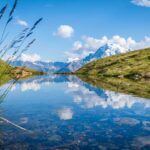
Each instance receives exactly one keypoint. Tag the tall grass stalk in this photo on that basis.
(10, 18)
(16, 45)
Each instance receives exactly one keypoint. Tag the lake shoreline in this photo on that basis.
(124, 85)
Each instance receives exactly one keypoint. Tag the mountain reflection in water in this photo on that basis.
(63, 112)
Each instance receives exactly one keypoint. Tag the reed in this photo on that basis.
(21, 43)
(10, 18)
(16, 45)
(19, 40)
(2, 11)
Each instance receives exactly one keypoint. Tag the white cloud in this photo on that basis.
(13, 88)
(31, 58)
(87, 98)
(65, 31)
(73, 85)
(30, 86)
(9, 57)
(72, 56)
(144, 3)
(22, 23)
(65, 114)
(88, 45)
(77, 45)
(93, 43)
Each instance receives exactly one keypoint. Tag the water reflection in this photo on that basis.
(89, 96)
(63, 112)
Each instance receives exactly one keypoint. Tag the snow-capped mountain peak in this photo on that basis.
(106, 50)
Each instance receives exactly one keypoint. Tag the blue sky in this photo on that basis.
(86, 18)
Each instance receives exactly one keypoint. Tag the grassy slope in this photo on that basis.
(114, 73)
(7, 76)
(7, 72)
(133, 65)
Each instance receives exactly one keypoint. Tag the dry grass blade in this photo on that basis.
(2, 11)
(10, 18)
(13, 124)
(14, 43)
(13, 8)
(6, 70)
(33, 27)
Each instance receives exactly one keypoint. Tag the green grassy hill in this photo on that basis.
(4, 72)
(132, 65)
(8, 72)
(115, 73)
(3, 66)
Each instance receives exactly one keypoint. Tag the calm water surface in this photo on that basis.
(61, 112)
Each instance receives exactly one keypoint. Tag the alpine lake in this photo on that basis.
(65, 112)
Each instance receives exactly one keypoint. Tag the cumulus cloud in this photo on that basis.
(77, 45)
(144, 3)
(86, 96)
(72, 56)
(93, 43)
(31, 58)
(22, 23)
(13, 88)
(73, 85)
(87, 45)
(65, 113)
(64, 31)
(30, 86)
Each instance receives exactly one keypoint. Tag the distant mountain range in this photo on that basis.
(104, 51)
(40, 65)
